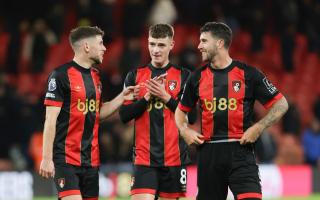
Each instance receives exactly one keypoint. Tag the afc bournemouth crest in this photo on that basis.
(236, 85)
(172, 84)
(61, 182)
(132, 181)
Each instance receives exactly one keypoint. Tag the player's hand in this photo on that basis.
(161, 79)
(251, 135)
(128, 93)
(191, 136)
(157, 89)
(147, 96)
(136, 91)
(46, 168)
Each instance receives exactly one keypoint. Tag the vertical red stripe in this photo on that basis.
(142, 126)
(95, 159)
(206, 88)
(235, 94)
(77, 118)
(171, 134)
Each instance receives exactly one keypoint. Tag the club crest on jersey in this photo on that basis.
(61, 182)
(52, 85)
(236, 85)
(172, 84)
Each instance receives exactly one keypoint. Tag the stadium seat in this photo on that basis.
(4, 40)
(35, 149)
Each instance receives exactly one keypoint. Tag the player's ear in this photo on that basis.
(86, 46)
(220, 43)
(172, 44)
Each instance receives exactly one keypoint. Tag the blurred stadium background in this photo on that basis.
(281, 37)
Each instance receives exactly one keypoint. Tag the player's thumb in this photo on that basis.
(242, 140)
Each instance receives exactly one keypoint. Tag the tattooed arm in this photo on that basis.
(274, 114)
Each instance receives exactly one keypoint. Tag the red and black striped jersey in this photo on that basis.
(226, 98)
(77, 91)
(157, 140)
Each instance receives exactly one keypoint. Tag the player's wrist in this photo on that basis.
(47, 158)
(182, 130)
(147, 97)
(260, 127)
(166, 98)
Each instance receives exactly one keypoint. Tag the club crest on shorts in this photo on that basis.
(52, 85)
(132, 181)
(236, 85)
(172, 84)
(61, 182)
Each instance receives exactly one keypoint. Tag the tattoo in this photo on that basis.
(275, 113)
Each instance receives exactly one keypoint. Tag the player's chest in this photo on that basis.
(85, 87)
(171, 84)
(221, 92)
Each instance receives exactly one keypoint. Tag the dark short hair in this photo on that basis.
(161, 31)
(82, 32)
(219, 30)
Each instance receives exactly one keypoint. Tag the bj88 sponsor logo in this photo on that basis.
(88, 106)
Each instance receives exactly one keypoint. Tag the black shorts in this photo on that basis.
(75, 180)
(227, 164)
(166, 182)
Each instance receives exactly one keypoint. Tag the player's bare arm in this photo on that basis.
(110, 107)
(47, 166)
(189, 135)
(274, 114)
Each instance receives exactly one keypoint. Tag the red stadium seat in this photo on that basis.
(4, 40)
(35, 149)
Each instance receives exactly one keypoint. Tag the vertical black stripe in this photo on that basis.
(220, 94)
(156, 128)
(87, 136)
(184, 152)
(248, 103)
(183, 147)
(134, 154)
(62, 126)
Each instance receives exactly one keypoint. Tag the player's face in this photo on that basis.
(159, 49)
(96, 49)
(208, 46)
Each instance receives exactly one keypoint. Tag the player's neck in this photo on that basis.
(160, 65)
(82, 62)
(221, 61)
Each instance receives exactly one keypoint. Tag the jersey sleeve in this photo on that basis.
(185, 76)
(131, 109)
(55, 90)
(189, 96)
(129, 81)
(264, 91)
